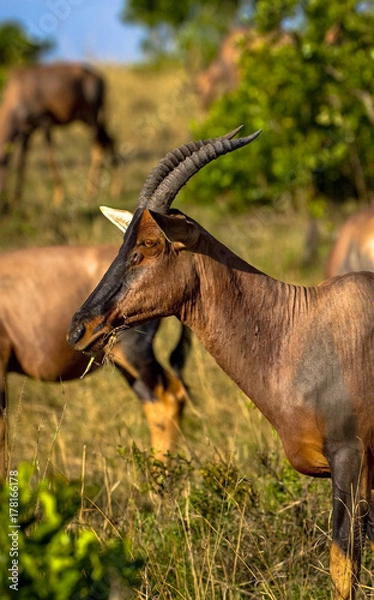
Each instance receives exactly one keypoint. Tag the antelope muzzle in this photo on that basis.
(89, 336)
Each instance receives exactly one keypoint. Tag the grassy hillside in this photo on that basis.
(229, 519)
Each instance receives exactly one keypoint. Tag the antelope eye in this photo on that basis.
(149, 243)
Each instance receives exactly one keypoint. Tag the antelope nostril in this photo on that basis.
(76, 335)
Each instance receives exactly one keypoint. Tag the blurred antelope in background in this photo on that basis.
(304, 356)
(44, 96)
(224, 72)
(40, 289)
(354, 246)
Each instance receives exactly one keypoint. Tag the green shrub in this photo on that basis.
(311, 98)
(46, 553)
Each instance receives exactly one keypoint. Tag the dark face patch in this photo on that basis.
(92, 322)
(136, 287)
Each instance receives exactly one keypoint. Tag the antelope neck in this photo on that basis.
(250, 351)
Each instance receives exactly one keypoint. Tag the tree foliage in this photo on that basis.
(17, 48)
(189, 28)
(314, 99)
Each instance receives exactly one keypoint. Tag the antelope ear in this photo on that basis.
(120, 218)
(176, 230)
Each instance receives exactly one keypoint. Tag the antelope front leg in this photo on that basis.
(21, 167)
(97, 152)
(4, 196)
(58, 192)
(164, 414)
(351, 500)
(162, 394)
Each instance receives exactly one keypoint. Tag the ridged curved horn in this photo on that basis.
(186, 164)
(170, 162)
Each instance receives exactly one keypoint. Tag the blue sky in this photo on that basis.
(82, 29)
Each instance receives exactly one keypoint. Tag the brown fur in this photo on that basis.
(39, 290)
(44, 96)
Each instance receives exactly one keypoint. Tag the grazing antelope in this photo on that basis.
(40, 289)
(43, 96)
(354, 247)
(303, 355)
(223, 74)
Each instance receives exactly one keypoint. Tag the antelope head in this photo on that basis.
(153, 274)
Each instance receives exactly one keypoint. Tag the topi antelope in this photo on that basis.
(224, 72)
(303, 355)
(42, 96)
(354, 247)
(40, 289)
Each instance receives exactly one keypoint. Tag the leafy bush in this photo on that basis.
(312, 96)
(16, 48)
(45, 553)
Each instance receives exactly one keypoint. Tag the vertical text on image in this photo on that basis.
(13, 533)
